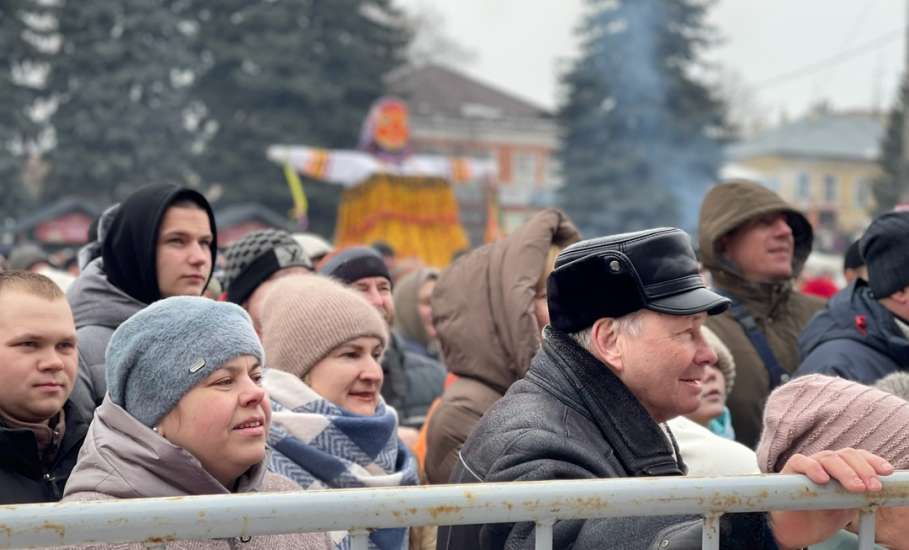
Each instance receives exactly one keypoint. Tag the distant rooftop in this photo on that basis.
(437, 90)
(54, 210)
(843, 136)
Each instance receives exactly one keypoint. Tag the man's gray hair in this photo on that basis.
(629, 324)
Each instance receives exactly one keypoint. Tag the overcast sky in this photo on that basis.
(518, 45)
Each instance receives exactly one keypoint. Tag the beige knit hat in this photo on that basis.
(724, 362)
(819, 413)
(305, 318)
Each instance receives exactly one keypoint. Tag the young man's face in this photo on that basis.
(183, 260)
(38, 357)
(762, 248)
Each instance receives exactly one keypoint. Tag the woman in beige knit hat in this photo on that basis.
(330, 427)
(817, 413)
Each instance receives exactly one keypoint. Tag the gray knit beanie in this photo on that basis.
(305, 318)
(156, 356)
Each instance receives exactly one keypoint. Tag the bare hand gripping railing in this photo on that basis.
(156, 521)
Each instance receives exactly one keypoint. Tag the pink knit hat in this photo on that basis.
(305, 318)
(819, 413)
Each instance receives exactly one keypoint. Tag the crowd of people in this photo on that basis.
(170, 367)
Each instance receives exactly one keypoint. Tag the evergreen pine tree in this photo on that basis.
(17, 129)
(290, 72)
(642, 136)
(120, 122)
(892, 187)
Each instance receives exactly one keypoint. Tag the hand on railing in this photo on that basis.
(856, 470)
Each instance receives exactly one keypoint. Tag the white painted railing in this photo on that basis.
(156, 521)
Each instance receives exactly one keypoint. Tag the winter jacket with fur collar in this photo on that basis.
(570, 417)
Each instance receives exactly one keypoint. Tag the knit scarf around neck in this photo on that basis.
(320, 445)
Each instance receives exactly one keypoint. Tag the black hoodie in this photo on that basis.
(130, 247)
(854, 337)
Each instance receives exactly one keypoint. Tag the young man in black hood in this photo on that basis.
(162, 242)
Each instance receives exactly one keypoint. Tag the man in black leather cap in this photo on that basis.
(623, 354)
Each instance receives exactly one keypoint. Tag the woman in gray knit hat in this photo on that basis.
(330, 426)
(185, 414)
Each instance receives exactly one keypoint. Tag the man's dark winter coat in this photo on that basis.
(855, 338)
(570, 417)
(23, 476)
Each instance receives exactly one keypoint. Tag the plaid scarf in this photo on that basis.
(320, 445)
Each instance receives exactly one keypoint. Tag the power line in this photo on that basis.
(812, 68)
(851, 36)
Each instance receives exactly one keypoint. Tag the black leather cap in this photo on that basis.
(613, 276)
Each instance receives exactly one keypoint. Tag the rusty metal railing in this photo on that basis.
(157, 521)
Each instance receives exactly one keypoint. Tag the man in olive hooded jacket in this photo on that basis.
(755, 244)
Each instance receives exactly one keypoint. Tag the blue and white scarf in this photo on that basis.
(322, 446)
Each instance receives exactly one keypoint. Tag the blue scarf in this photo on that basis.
(722, 425)
(320, 446)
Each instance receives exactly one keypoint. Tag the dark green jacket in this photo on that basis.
(778, 309)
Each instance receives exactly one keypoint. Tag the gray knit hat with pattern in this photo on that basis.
(164, 350)
(253, 259)
(305, 318)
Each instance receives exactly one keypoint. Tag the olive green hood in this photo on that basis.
(729, 205)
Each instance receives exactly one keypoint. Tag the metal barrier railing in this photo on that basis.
(157, 521)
